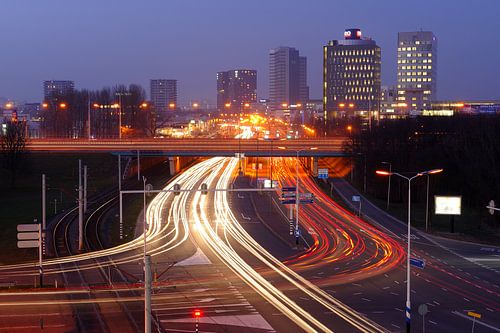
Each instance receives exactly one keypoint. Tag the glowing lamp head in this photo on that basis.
(171, 105)
(284, 105)
(45, 105)
(349, 128)
(227, 105)
(95, 105)
(8, 105)
(144, 105)
(247, 105)
(383, 173)
(341, 105)
(62, 105)
(351, 105)
(195, 105)
(432, 172)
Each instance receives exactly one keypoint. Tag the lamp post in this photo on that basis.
(409, 179)
(147, 270)
(389, 184)
(297, 199)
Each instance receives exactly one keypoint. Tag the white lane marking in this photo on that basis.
(252, 321)
(199, 258)
(433, 322)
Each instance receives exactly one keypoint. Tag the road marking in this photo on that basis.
(395, 325)
(399, 309)
(386, 288)
(466, 299)
(366, 299)
(393, 293)
(355, 294)
(433, 322)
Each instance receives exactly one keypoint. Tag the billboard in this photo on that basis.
(447, 205)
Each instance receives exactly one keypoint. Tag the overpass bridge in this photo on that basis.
(199, 147)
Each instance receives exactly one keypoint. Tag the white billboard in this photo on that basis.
(447, 205)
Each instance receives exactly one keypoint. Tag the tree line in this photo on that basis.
(67, 115)
(466, 147)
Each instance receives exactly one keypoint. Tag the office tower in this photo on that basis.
(417, 69)
(287, 78)
(52, 89)
(351, 77)
(236, 89)
(163, 94)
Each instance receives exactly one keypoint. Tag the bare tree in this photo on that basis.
(13, 144)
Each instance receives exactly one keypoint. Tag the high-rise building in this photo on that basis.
(236, 89)
(417, 69)
(163, 94)
(287, 77)
(351, 77)
(54, 88)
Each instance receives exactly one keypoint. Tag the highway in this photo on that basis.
(211, 251)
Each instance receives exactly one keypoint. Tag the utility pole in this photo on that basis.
(138, 166)
(44, 204)
(147, 294)
(119, 172)
(85, 188)
(40, 251)
(80, 207)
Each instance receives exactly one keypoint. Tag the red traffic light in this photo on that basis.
(197, 313)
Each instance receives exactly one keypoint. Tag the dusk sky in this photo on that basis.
(100, 43)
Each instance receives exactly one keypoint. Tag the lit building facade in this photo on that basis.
(55, 88)
(351, 77)
(163, 94)
(236, 89)
(287, 78)
(417, 70)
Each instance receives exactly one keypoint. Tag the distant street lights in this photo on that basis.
(409, 179)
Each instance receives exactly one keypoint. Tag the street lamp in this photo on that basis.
(409, 179)
(389, 184)
(297, 199)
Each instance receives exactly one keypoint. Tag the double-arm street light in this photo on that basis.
(297, 199)
(409, 179)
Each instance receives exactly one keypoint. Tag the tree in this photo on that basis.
(13, 144)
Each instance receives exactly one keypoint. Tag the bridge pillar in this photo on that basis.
(173, 163)
(315, 166)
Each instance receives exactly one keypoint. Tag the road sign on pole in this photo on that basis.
(323, 173)
(356, 198)
(288, 189)
(491, 207)
(27, 227)
(419, 263)
(27, 244)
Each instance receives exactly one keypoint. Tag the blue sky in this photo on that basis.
(103, 42)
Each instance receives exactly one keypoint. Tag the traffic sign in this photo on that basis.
(288, 202)
(27, 227)
(306, 195)
(423, 309)
(474, 314)
(491, 207)
(288, 195)
(306, 201)
(419, 263)
(27, 236)
(25, 244)
(323, 173)
(289, 189)
(356, 198)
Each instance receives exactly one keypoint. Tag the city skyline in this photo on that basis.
(113, 60)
